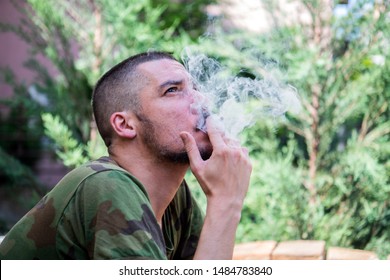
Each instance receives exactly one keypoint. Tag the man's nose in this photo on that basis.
(199, 102)
(197, 97)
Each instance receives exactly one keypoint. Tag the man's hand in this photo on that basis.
(225, 175)
(224, 178)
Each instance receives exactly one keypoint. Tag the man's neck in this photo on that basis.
(160, 179)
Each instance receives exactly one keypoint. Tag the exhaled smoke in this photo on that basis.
(238, 102)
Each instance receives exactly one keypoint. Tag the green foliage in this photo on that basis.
(20, 137)
(187, 15)
(68, 149)
(17, 175)
(323, 173)
(276, 204)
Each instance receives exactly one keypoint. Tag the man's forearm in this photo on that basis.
(218, 233)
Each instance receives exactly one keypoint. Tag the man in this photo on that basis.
(135, 204)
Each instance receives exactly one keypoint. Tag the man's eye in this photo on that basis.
(172, 89)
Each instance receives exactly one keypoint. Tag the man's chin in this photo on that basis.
(175, 157)
(182, 157)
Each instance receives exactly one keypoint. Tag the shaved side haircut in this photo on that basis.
(118, 89)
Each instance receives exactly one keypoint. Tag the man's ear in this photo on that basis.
(123, 123)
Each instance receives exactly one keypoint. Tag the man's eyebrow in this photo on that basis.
(171, 83)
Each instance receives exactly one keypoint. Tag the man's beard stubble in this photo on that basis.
(164, 153)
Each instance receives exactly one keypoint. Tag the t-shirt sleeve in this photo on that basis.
(117, 219)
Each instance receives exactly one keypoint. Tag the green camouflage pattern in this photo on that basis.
(100, 211)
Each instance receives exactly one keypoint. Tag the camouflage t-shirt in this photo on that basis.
(100, 211)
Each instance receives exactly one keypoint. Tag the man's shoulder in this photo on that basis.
(98, 180)
(101, 167)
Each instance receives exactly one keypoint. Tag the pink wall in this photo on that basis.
(13, 50)
(13, 53)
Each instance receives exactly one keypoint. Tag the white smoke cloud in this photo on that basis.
(237, 101)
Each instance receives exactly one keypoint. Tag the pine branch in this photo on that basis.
(19, 174)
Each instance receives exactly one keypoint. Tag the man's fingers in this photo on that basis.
(191, 148)
(215, 132)
(233, 143)
(217, 136)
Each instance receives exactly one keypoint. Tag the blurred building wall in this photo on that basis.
(13, 53)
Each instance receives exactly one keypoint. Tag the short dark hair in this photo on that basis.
(117, 90)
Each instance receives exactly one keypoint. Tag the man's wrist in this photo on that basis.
(228, 211)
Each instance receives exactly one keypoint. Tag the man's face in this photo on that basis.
(166, 111)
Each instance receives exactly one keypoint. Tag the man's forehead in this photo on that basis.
(163, 68)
